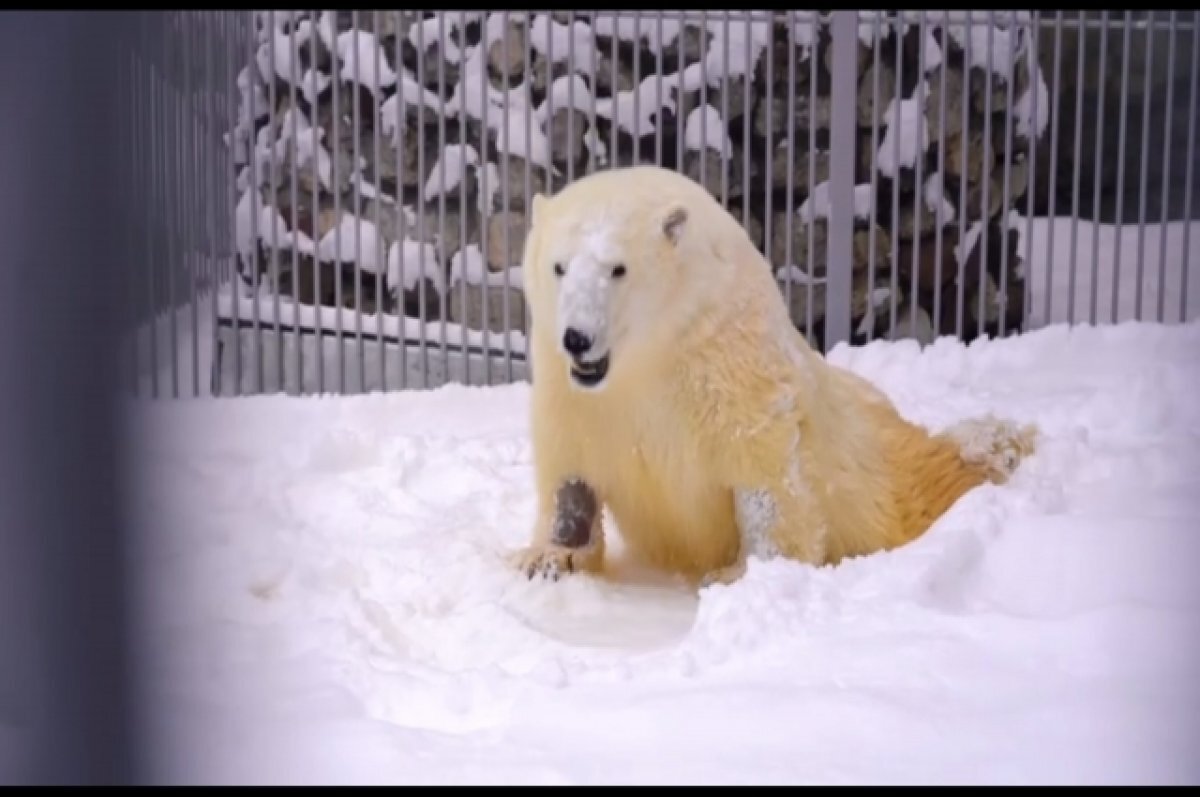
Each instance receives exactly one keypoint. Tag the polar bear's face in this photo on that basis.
(606, 274)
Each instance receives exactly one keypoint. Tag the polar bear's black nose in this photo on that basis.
(575, 342)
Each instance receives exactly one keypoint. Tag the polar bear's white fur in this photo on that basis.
(670, 387)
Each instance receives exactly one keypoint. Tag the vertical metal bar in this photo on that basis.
(67, 655)
(1193, 108)
(191, 130)
(174, 171)
(335, 139)
(570, 95)
(119, 98)
(505, 197)
(380, 243)
(876, 69)
(140, 197)
(593, 85)
(400, 217)
(637, 84)
(1053, 167)
(986, 178)
(202, 172)
(276, 134)
(918, 191)
(679, 118)
(1163, 214)
(704, 101)
(463, 209)
(355, 154)
(156, 274)
(223, 155)
(747, 104)
(939, 233)
(549, 169)
(232, 49)
(189, 185)
(220, 166)
(126, 81)
(152, 194)
(154, 190)
(293, 223)
(594, 91)
(208, 172)
(443, 298)
(658, 87)
(841, 177)
(790, 181)
(1006, 190)
(172, 139)
(1123, 105)
(1033, 72)
(897, 124)
(255, 207)
(769, 134)
(1078, 158)
(812, 183)
(1101, 68)
(612, 130)
(139, 249)
(725, 163)
(527, 82)
(422, 230)
(487, 213)
(964, 184)
(318, 266)
(1145, 166)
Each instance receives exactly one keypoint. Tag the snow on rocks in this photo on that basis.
(525, 101)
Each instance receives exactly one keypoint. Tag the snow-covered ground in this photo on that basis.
(327, 598)
(1110, 261)
(327, 601)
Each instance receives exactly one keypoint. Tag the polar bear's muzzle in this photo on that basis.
(586, 369)
(589, 374)
(584, 295)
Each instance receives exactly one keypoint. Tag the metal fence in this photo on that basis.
(336, 201)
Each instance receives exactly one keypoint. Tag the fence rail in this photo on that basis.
(336, 201)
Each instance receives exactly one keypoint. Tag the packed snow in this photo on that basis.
(1111, 262)
(354, 240)
(705, 129)
(818, 205)
(906, 132)
(449, 170)
(327, 599)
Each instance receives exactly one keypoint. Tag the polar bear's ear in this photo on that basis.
(536, 205)
(674, 220)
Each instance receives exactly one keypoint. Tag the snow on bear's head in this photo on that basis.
(603, 267)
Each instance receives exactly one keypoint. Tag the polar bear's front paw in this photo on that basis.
(724, 575)
(549, 561)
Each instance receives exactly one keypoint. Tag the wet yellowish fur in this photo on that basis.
(713, 389)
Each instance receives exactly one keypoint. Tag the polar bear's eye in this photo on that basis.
(618, 272)
(558, 269)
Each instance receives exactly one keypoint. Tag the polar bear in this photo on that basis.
(670, 387)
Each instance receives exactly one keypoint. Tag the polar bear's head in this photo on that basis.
(603, 270)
